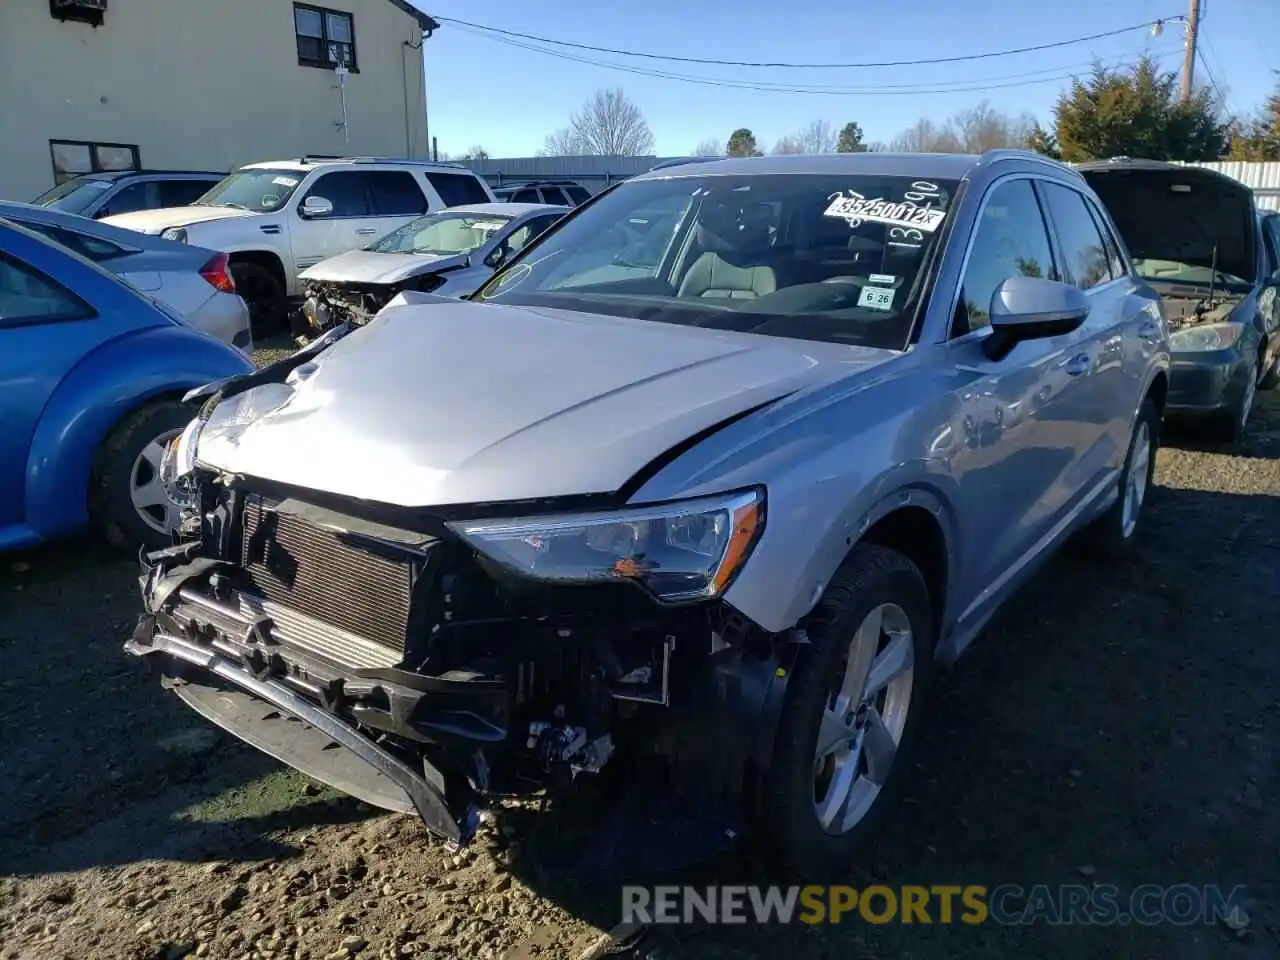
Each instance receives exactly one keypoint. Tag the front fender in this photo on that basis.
(103, 387)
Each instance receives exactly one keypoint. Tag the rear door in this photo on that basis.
(395, 198)
(44, 330)
(1098, 404)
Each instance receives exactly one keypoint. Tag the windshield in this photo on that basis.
(442, 233)
(73, 196)
(259, 190)
(840, 258)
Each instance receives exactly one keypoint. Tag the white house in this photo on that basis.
(91, 85)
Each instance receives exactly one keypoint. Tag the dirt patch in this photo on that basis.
(1119, 721)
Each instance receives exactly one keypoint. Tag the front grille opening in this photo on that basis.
(335, 577)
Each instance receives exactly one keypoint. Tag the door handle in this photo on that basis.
(366, 231)
(1080, 363)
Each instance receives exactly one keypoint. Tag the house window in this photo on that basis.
(72, 158)
(326, 38)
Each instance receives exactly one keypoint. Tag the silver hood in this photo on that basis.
(365, 266)
(462, 402)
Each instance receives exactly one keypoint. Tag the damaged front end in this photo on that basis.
(423, 664)
(328, 303)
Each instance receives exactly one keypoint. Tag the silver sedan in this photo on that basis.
(193, 281)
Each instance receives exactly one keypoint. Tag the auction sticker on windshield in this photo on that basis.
(876, 298)
(856, 209)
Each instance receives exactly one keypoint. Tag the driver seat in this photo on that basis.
(713, 276)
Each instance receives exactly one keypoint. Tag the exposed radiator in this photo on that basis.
(327, 575)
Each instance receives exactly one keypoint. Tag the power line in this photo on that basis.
(799, 66)
(991, 83)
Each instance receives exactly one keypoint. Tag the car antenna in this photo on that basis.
(1213, 276)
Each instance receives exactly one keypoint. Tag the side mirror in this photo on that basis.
(496, 257)
(1032, 308)
(316, 208)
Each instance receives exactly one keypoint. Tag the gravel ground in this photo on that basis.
(1115, 726)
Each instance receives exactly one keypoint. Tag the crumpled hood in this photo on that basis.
(154, 221)
(1169, 212)
(365, 266)
(462, 402)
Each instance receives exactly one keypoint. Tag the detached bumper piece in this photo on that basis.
(230, 669)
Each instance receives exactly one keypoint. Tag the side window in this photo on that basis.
(345, 190)
(83, 244)
(577, 194)
(1084, 253)
(183, 193)
(538, 225)
(394, 193)
(522, 237)
(136, 196)
(1010, 241)
(456, 189)
(1115, 258)
(555, 195)
(527, 195)
(27, 296)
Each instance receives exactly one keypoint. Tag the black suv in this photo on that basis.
(108, 193)
(565, 193)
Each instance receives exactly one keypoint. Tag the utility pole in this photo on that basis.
(1189, 55)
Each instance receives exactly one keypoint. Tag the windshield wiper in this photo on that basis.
(228, 203)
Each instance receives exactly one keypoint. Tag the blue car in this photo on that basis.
(92, 376)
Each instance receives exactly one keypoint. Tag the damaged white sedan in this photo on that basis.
(450, 253)
(701, 519)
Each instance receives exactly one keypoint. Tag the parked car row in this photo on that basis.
(714, 510)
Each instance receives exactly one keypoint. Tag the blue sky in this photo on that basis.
(508, 99)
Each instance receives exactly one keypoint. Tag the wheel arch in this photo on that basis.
(267, 259)
(106, 386)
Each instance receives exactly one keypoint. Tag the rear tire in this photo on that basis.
(1112, 535)
(263, 294)
(874, 621)
(126, 500)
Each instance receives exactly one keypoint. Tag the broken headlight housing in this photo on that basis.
(178, 464)
(684, 550)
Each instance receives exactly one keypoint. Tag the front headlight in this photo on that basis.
(178, 464)
(678, 551)
(1214, 336)
(238, 411)
(174, 233)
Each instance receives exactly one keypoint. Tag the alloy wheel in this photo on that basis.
(146, 491)
(864, 721)
(1135, 483)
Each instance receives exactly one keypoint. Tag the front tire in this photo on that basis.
(849, 719)
(1271, 379)
(263, 294)
(1229, 427)
(127, 501)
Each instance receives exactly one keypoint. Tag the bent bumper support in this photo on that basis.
(270, 717)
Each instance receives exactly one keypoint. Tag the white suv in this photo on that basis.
(277, 218)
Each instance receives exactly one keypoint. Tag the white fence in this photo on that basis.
(1262, 178)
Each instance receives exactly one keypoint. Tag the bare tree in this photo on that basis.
(927, 137)
(817, 137)
(563, 143)
(476, 153)
(608, 124)
(788, 145)
(969, 131)
(983, 128)
(711, 147)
